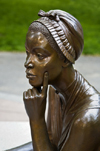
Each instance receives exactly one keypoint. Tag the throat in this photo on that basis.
(64, 85)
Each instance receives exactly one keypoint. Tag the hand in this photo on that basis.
(35, 101)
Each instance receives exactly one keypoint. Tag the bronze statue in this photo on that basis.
(53, 43)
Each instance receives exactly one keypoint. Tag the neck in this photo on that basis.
(65, 80)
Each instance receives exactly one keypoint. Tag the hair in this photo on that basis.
(38, 27)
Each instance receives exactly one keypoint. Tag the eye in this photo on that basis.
(40, 56)
(27, 52)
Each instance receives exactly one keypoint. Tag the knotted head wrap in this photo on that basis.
(65, 30)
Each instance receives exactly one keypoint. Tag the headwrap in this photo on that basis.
(66, 31)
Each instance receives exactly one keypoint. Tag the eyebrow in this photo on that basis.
(45, 50)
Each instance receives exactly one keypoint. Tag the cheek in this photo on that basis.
(51, 65)
(53, 68)
(43, 66)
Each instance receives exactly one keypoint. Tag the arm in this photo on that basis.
(35, 104)
(40, 137)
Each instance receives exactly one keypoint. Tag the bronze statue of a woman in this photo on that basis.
(53, 43)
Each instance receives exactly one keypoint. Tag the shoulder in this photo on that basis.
(88, 121)
(84, 134)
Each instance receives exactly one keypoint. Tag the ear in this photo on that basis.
(65, 63)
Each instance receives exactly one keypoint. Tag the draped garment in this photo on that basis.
(61, 115)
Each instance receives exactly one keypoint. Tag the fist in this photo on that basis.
(35, 100)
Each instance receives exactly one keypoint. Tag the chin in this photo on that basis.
(35, 84)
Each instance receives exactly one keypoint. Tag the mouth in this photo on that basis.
(30, 76)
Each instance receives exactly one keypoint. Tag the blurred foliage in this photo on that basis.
(16, 16)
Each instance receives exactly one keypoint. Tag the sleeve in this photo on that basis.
(54, 119)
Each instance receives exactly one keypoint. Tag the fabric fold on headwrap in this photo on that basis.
(49, 15)
(65, 30)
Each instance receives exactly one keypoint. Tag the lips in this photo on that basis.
(30, 76)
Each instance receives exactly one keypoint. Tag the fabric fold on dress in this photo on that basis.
(61, 116)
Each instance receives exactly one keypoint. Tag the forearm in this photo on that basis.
(40, 136)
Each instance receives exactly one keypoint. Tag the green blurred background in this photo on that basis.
(16, 16)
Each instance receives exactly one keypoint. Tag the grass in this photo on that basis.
(16, 16)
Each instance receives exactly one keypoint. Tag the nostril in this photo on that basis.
(29, 65)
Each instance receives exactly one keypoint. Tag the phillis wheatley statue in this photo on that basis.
(53, 43)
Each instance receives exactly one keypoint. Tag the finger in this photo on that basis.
(29, 93)
(45, 83)
(38, 89)
(35, 92)
(25, 95)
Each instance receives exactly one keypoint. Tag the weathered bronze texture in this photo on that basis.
(53, 43)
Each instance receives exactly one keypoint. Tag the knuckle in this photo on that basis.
(25, 98)
(24, 95)
(29, 90)
(31, 97)
(42, 96)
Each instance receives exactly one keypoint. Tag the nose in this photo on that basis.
(29, 63)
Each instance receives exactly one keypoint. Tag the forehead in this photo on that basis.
(36, 39)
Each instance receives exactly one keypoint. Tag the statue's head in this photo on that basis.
(52, 40)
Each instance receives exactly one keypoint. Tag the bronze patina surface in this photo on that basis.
(53, 43)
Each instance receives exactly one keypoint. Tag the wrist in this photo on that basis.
(38, 122)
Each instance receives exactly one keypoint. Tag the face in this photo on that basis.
(41, 58)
